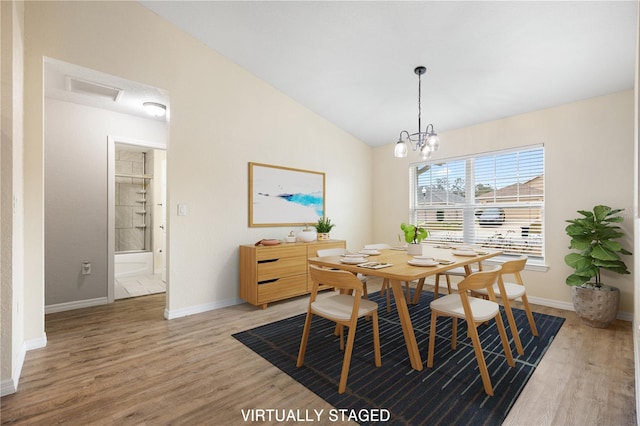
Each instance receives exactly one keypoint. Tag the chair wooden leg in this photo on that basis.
(505, 341)
(347, 358)
(303, 341)
(408, 291)
(513, 326)
(376, 340)
(527, 309)
(482, 365)
(436, 287)
(387, 288)
(432, 338)
(448, 283)
(341, 332)
(365, 292)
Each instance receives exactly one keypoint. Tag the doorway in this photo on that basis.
(137, 211)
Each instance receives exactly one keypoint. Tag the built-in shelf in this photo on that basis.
(141, 201)
(141, 212)
(141, 226)
(133, 176)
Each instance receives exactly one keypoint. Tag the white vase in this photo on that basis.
(307, 236)
(414, 249)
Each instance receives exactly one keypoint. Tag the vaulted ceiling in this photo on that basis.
(352, 62)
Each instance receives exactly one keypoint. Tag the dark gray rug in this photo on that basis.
(450, 393)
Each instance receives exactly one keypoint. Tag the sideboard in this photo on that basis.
(272, 273)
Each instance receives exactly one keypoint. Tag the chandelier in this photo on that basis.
(424, 142)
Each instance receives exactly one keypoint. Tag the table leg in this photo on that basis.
(407, 327)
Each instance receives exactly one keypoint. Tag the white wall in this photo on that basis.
(589, 148)
(75, 139)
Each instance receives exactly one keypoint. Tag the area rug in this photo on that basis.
(450, 393)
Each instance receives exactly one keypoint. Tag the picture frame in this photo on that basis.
(284, 196)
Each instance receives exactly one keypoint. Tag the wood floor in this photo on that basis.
(124, 364)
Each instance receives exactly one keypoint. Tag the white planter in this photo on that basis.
(414, 249)
(307, 236)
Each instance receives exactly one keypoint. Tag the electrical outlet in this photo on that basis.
(182, 209)
(86, 268)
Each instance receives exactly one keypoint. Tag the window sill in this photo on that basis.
(532, 265)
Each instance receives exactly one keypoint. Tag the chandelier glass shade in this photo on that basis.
(427, 142)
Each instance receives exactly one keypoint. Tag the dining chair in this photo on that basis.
(343, 309)
(340, 252)
(508, 291)
(473, 310)
(455, 272)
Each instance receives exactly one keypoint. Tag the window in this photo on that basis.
(493, 200)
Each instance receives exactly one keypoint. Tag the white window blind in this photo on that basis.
(493, 200)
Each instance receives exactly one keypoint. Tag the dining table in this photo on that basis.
(397, 269)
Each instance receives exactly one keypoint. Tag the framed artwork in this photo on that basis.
(282, 196)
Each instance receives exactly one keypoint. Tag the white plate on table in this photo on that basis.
(422, 258)
(421, 262)
(353, 260)
(369, 252)
(469, 253)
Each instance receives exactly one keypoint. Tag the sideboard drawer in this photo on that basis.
(281, 267)
(278, 252)
(282, 288)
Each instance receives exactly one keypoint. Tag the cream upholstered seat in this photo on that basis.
(508, 291)
(343, 309)
(340, 252)
(474, 311)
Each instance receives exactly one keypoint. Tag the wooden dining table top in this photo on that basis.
(400, 270)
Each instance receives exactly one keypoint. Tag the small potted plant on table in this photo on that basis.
(593, 236)
(323, 228)
(413, 235)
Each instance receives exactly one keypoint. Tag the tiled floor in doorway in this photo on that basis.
(141, 285)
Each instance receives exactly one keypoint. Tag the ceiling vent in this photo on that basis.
(94, 89)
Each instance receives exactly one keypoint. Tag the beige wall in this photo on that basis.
(221, 118)
(589, 148)
(11, 201)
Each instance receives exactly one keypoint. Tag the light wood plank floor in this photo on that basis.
(124, 364)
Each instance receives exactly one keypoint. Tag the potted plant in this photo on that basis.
(594, 235)
(324, 227)
(413, 235)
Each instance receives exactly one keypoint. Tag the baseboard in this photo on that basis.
(198, 309)
(568, 306)
(76, 304)
(10, 385)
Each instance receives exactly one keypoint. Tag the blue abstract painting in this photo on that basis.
(280, 196)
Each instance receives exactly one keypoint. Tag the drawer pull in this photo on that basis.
(268, 260)
(268, 281)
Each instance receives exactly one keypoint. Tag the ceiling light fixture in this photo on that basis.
(155, 109)
(424, 142)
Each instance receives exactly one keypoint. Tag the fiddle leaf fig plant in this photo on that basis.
(414, 234)
(594, 235)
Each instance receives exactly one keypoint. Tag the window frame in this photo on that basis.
(532, 244)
